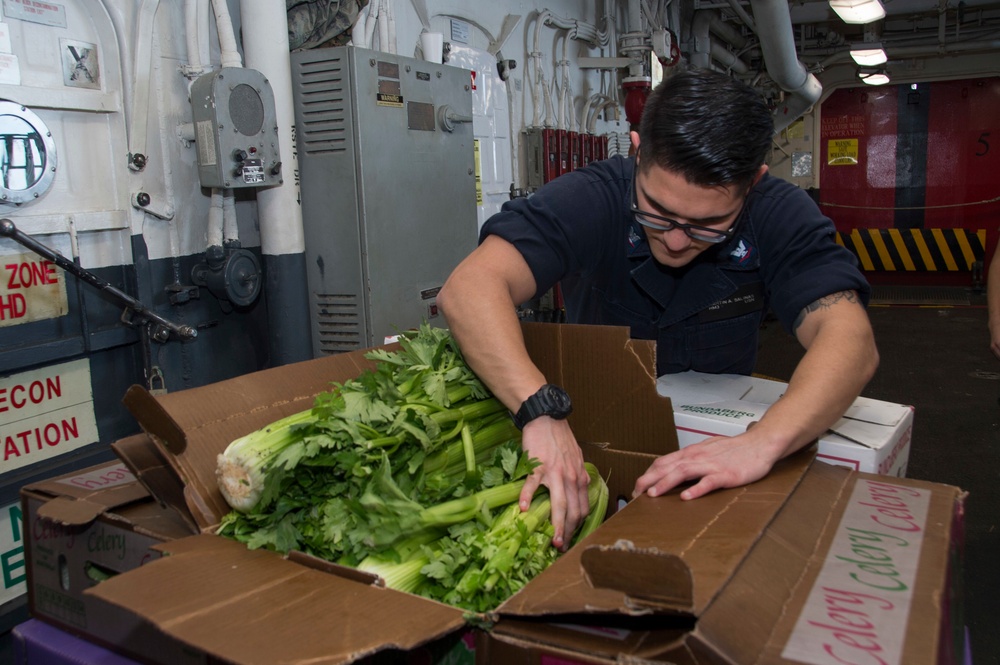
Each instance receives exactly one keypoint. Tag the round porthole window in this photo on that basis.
(27, 154)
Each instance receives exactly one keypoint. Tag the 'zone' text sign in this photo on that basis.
(45, 413)
(31, 289)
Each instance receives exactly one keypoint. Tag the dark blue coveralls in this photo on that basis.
(577, 230)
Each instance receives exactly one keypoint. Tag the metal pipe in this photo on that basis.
(282, 237)
(705, 49)
(777, 41)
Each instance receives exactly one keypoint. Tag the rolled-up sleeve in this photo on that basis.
(801, 261)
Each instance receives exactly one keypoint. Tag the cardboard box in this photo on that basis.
(85, 527)
(873, 436)
(682, 570)
(853, 568)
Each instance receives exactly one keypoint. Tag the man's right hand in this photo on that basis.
(552, 443)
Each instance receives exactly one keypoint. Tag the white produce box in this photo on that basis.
(873, 436)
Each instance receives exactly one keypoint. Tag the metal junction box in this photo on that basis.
(387, 176)
(236, 130)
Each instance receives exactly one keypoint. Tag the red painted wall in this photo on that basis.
(935, 150)
(865, 189)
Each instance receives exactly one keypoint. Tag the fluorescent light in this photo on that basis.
(868, 55)
(858, 11)
(875, 78)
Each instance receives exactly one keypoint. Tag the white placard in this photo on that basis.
(36, 11)
(4, 38)
(10, 70)
(12, 570)
(45, 413)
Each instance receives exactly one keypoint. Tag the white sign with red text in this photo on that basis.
(859, 606)
(31, 289)
(45, 413)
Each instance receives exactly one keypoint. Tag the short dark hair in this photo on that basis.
(707, 126)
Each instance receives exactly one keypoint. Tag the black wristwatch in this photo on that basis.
(550, 400)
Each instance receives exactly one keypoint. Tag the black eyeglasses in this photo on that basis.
(696, 231)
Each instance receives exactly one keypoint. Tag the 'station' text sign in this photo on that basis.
(45, 413)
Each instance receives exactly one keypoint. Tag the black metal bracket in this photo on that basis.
(135, 312)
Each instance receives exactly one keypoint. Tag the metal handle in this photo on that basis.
(160, 327)
(449, 118)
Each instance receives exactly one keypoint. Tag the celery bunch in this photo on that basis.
(411, 464)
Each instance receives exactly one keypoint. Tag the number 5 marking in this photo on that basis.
(982, 141)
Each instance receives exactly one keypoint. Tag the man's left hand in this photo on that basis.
(718, 462)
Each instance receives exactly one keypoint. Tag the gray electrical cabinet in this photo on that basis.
(387, 175)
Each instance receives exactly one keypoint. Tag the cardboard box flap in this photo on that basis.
(853, 561)
(148, 464)
(81, 496)
(862, 433)
(867, 420)
(877, 412)
(655, 576)
(254, 607)
(699, 387)
(709, 537)
(194, 426)
(606, 372)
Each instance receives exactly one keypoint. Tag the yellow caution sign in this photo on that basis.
(842, 152)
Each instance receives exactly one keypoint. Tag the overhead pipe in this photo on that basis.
(282, 237)
(777, 42)
(704, 23)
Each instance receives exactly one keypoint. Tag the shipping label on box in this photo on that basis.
(873, 436)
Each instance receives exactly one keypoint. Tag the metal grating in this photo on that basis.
(324, 98)
(928, 296)
(338, 318)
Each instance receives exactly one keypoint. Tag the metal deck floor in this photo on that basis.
(936, 358)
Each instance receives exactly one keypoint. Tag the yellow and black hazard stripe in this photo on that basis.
(912, 250)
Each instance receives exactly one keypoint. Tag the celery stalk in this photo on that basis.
(241, 468)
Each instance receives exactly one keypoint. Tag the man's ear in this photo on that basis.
(634, 138)
(760, 174)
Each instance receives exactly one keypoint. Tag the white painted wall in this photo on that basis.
(142, 104)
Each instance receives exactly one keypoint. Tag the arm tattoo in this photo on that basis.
(824, 303)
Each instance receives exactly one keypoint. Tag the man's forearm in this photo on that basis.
(993, 301)
(839, 362)
(480, 307)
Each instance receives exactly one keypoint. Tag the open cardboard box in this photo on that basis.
(86, 526)
(697, 568)
(872, 436)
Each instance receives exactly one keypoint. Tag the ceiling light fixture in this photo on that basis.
(858, 11)
(868, 54)
(877, 77)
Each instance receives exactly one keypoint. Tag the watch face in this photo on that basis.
(559, 400)
(550, 400)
